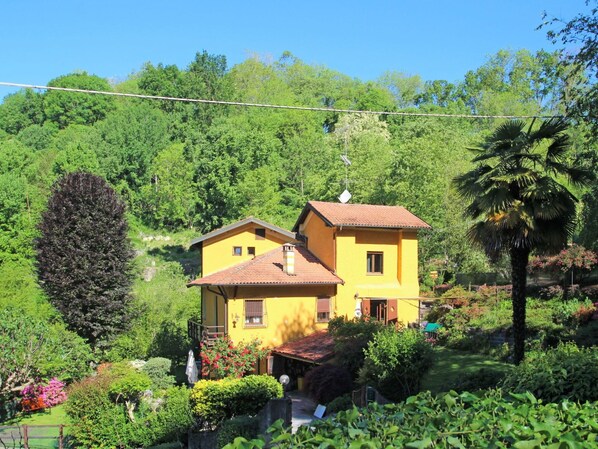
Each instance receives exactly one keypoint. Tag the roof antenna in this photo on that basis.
(346, 195)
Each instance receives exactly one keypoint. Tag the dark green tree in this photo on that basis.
(84, 256)
(519, 205)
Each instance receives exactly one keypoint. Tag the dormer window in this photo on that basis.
(375, 262)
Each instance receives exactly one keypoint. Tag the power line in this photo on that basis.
(272, 106)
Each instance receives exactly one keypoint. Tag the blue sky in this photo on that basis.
(437, 39)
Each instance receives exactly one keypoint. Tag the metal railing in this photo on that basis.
(204, 334)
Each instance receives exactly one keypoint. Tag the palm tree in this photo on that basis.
(519, 205)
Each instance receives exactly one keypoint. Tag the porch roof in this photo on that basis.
(315, 348)
(266, 269)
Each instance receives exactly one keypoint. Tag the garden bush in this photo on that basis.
(491, 419)
(158, 370)
(351, 337)
(564, 372)
(343, 402)
(239, 426)
(213, 401)
(101, 420)
(396, 362)
(327, 382)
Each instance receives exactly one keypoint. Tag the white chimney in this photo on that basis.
(288, 259)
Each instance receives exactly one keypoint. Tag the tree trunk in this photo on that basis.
(519, 259)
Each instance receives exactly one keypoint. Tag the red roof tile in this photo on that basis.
(362, 216)
(266, 269)
(315, 348)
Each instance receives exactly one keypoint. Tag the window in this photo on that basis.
(237, 251)
(260, 233)
(374, 263)
(251, 250)
(254, 312)
(323, 309)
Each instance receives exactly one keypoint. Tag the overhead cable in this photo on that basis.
(271, 106)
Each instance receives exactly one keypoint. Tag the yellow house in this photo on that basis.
(261, 281)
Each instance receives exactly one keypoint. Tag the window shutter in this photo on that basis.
(254, 308)
(323, 305)
(366, 308)
(392, 313)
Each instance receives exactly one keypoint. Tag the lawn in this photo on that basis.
(52, 417)
(450, 365)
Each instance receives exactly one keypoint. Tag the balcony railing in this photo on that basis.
(204, 334)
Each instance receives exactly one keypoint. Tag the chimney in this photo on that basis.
(288, 259)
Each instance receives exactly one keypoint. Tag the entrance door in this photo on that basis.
(381, 309)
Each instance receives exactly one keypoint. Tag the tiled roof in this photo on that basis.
(264, 224)
(315, 348)
(362, 216)
(266, 269)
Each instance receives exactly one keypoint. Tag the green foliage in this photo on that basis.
(158, 370)
(162, 307)
(564, 372)
(327, 382)
(100, 421)
(340, 403)
(20, 110)
(37, 137)
(84, 256)
(170, 198)
(486, 420)
(351, 338)
(215, 401)
(127, 383)
(65, 108)
(127, 142)
(239, 426)
(396, 361)
(31, 348)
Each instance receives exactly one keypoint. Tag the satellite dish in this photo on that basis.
(345, 196)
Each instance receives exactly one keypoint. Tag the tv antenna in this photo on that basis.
(346, 195)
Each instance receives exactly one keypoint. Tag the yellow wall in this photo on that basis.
(349, 249)
(217, 252)
(320, 239)
(289, 313)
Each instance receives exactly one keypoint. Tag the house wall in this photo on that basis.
(320, 239)
(217, 252)
(289, 313)
(347, 250)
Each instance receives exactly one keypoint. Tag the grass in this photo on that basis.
(52, 417)
(451, 365)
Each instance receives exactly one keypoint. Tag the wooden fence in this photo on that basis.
(32, 437)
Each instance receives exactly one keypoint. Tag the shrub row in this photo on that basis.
(213, 401)
(487, 420)
(564, 372)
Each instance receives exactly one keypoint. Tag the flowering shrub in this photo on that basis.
(37, 396)
(224, 359)
(53, 393)
(576, 258)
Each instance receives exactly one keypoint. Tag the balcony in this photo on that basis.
(204, 334)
